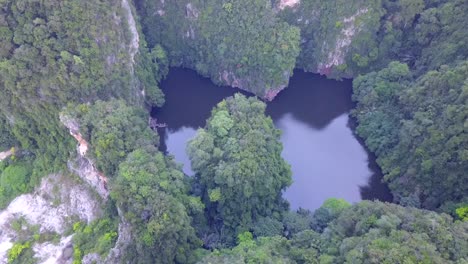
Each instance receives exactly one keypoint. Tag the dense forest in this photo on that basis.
(98, 65)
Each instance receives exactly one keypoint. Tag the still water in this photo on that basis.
(326, 158)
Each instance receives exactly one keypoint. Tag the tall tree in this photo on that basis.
(152, 193)
(417, 131)
(238, 162)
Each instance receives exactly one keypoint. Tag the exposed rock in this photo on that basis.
(6, 154)
(53, 206)
(91, 258)
(287, 3)
(48, 253)
(271, 94)
(337, 55)
(229, 78)
(135, 41)
(124, 239)
(191, 11)
(83, 166)
(85, 169)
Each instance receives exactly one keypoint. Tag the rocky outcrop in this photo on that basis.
(282, 4)
(337, 55)
(49, 252)
(86, 170)
(226, 41)
(7, 153)
(134, 43)
(82, 165)
(124, 239)
(229, 78)
(54, 206)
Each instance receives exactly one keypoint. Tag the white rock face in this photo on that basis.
(53, 206)
(83, 166)
(135, 41)
(48, 253)
(287, 3)
(6, 154)
(337, 55)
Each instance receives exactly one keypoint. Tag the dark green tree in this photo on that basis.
(368, 232)
(242, 44)
(416, 130)
(152, 193)
(113, 129)
(238, 162)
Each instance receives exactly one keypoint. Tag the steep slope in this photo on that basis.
(240, 44)
(46, 215)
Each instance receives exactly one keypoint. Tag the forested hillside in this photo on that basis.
(80, 72)
(239, 43)
(54, 53)
(370, 232)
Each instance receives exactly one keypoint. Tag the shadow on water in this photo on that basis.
(312, 99)
(189, 99)
(326, 157)
(375, 189)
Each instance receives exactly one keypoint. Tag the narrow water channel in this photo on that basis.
(326, 157)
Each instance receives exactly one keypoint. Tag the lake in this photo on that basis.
(326, 157)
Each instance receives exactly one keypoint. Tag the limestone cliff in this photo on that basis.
(334, 34)
(53, 207)
(240, 43)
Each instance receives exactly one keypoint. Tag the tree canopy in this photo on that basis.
(239, 167)
(152, 193)
(113, 129)
(369, 232)
(242, 44)
(417, 131)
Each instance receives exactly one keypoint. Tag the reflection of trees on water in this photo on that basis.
(375, 189)
(311, 99)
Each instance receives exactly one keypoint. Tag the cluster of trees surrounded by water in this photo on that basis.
(409, 60)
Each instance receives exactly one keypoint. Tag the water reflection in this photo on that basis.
(325, 163)
(175, 142)
(327, 159)
(312, 99)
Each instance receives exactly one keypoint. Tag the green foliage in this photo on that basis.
(326, 25)
(238, 155)
(57, 52)
(462, 213)
(7, 140)
(330, 210)
(15, 179)
(152, 193)
(21, 253)
(97, 237)
(241, 44)
(374, 232)
(113, 129)
(295, 222)
(369, 232)
(245, 238)
(424, 34)
(16, 251)
(264, 250)
(416, 130)
(267, 226)
(152, 66)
